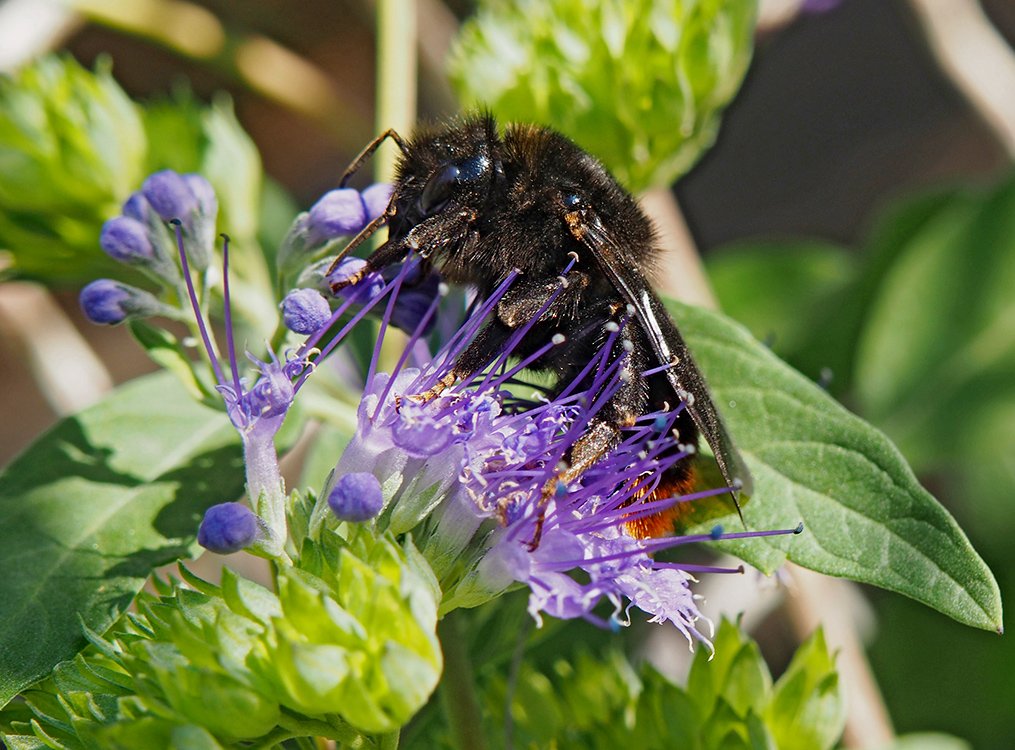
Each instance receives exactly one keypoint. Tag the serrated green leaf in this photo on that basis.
(807, 711)
(93, 506)
(866, 516)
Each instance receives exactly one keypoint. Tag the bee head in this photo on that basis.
(445, 176)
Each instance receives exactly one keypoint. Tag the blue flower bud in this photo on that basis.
(170, 195)
(373, 283)
(338, 213)
(126, 240)
(137, 207)
(204, 193)
(228, 528)
(111, 302)
(412, 304)
(356, 497)
(376, 199)
(305, 311)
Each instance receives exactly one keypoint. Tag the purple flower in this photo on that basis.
(189, 199)
(376, 199)
(228, 528)
(473, 454)
(170, 195)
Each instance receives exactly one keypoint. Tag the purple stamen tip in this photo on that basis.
(228, 528)
(799, 528)
(716, 532)
(356, 497)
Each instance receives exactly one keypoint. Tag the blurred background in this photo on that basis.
(861, 130)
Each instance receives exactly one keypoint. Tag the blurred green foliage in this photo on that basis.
(918, 333)
(638, 83)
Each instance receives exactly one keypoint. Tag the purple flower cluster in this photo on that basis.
(472, 467)
(484, 466)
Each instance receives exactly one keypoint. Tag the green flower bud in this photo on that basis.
(72, 145)
(638, 83)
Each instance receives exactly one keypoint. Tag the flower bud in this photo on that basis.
(356, 497)
(126, 240)
(191, 199)
(111, 302)
(138, 208)
(169, 194)
(305, 311)
(376, 199)
(338, 213)
(204, 193)
(228, 528)
(366, 288)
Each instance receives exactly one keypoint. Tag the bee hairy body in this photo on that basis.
(477, 204)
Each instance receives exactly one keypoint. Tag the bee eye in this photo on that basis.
(438, 189)
(573, 202)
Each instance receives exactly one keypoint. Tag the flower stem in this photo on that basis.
(457, 689)
(396, 75)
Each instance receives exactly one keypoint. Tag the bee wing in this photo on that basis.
(669, 347)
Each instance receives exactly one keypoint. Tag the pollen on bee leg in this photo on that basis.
(433, 392)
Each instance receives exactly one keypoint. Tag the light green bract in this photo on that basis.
(638, 83)
(346, 648)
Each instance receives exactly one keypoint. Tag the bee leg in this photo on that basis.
(589, 448)
(385, 255)
(474, 358)
(430, 393)
(603, 432)
(523, 301)
(368, 151)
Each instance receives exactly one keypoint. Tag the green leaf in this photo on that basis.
(93, 506)
(166, 351)
(939, 344)
(927, 741)
(736, 674)
(778, 290)
(807, 711)
(866, 517)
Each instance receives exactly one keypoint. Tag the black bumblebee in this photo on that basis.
(477, 203)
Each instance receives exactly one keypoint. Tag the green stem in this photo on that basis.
(396, 74)
(457, 689)
(388, 741)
